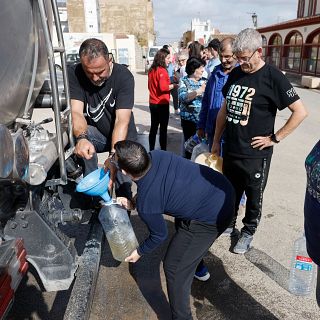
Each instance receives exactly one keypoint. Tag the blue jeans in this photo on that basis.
(123, 183)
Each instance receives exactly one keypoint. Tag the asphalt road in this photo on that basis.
(252, 286)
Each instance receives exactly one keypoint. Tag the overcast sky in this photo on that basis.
(173, 17)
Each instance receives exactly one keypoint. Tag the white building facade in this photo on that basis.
(201, 30)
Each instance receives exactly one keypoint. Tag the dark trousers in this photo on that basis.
(249, 176)
(189, 128)
(159, 116)
(175, 98)
(186, 249)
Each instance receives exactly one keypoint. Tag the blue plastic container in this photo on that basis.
(96, 184)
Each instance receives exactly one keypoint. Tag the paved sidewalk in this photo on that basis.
(251, 286)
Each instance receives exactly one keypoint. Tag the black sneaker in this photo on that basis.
(243, 244)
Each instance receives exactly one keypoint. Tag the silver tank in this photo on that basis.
(23, 63)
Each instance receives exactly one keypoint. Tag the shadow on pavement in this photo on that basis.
(273, 269)
(142, 73)
(221, 298)
(148, 293)
(34, 305)
(146, 272)
(218, 298)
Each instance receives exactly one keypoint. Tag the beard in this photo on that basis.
(99, 83)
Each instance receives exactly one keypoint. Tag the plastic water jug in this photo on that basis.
(302, 272)
(118, 230)
(198, 149)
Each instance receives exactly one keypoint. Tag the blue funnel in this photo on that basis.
(95, 184)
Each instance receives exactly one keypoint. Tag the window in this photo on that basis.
(276, 41)
(306, 8)
(275, 50)
(264, 46)
(318, 7)
(292, 58)
(311, 63)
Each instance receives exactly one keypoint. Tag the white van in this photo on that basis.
(150, 56)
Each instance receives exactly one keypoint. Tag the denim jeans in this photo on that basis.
(101, 144)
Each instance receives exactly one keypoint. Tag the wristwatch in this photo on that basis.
(274, 139)
(82, 135)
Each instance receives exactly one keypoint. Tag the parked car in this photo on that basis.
(150, 56)
(72, 58)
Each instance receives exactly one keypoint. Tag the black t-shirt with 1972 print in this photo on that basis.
(252, 102)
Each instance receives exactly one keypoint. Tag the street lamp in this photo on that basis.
(254, 20)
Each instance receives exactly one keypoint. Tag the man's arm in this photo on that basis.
(121, 125)
(299, 113)
(220, 126)
(84, 147)
(120, 132)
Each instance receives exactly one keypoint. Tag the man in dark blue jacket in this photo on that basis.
(213, 98)
(201, 199)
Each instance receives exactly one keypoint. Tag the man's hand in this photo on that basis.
(129, 205)
(134, 257)
(215, 148)
(84, 149)
(261, 142)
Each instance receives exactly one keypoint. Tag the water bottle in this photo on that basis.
(302, 272)
(198, 149)
(118, 230)
(191, 143)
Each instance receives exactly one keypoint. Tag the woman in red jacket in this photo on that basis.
(159, 97)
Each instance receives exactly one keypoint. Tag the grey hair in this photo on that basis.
(226, 42)
(183, 54)
(248, 39)
(93, 48)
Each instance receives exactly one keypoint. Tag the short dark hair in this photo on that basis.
(194, 63)
(132, 157)
(160, 59)
(214, 44)
(93, 48)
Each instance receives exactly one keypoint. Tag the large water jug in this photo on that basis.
(118, 229)
(302, 272)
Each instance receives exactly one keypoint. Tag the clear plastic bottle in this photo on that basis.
(118, 230)
(302, 271)
(191, 143)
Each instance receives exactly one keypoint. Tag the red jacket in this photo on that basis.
(158, 85)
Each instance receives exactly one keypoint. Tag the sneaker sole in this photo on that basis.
(204, 278)
(240, 251)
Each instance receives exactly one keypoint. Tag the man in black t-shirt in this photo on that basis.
(102, 98)
(253, 94)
